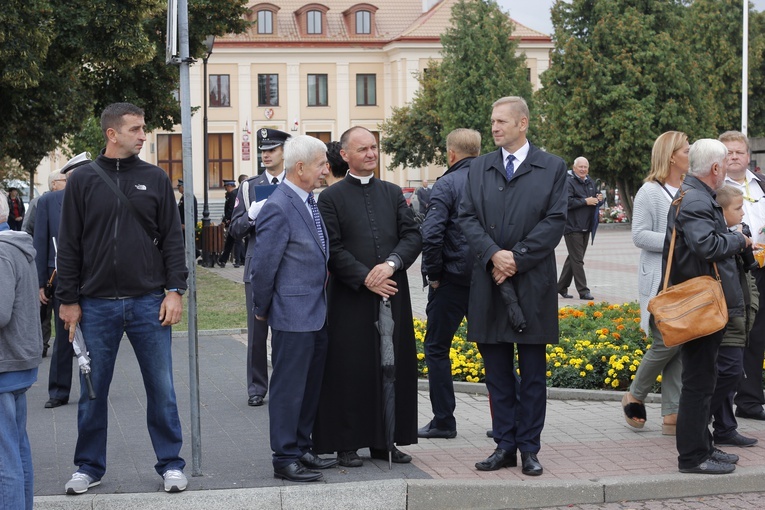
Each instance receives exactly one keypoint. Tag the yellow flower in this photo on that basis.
(615, 383)
(548, 373)
(583, 374)
(607, 380)
(420, 356)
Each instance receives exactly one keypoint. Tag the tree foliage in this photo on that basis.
(63, 61)
(616, 82)
(479, 66)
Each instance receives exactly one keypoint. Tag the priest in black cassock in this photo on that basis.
(373, 239)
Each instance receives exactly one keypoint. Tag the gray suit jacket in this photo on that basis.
(290, 288)
(241, 227)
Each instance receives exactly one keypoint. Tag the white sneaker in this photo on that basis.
(175, 480)
(80, 483)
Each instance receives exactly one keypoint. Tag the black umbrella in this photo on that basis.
(595, 223)
(510, 297)
(385, 325)
(81, 351)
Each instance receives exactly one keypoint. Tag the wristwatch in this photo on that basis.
(179, 291)
(391, 264)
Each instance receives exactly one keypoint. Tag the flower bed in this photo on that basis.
(600, 347)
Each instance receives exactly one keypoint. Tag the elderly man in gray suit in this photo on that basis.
(246, 208)
(289, 294)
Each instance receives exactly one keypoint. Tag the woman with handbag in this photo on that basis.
(669, 163)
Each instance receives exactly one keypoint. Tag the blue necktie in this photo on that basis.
(317, 221)
(510, 168)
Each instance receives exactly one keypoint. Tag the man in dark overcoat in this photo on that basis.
(513, 213)
(373, 239)
(246, 208)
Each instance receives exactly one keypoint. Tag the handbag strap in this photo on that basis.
(672, 246)
(126, 202)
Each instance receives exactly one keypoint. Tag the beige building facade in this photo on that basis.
(317, 69)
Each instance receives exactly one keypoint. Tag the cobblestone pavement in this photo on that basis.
(745, 501)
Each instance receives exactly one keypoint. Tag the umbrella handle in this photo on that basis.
(89, 383)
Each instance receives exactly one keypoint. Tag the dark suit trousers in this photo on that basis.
(750, 397)
(729, 370)
(298, 360)
(227, 247)
(447, 306)
(576, 244)
(517, 421)
(257, 350)
(694, 441)
(45, 312)
(61, 361)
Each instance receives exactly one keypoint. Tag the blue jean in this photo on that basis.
(103, 323)
(16, 474)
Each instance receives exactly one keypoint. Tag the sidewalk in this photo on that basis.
(588, 452)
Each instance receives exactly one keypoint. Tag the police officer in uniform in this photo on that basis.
(246, 208)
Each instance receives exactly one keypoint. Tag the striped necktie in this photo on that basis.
(317, 221)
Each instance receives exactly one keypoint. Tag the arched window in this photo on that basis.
(363, 22)
(265, 22)
(313, 22)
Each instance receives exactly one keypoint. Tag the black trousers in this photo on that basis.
(257, 350)
(447, 306)
(750, 397)
(61, 360)
(573, 268)
(227, 247)
(729, 370)
(694, 441)
(517, 421)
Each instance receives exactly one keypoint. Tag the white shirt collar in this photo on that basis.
(279, 177)
(520, 155)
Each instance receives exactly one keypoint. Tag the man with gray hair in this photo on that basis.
(702, 238)
(293, 238)
(583, 201)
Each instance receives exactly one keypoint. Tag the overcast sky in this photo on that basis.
(536, 13)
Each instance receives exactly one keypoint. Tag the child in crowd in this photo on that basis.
(730, 357)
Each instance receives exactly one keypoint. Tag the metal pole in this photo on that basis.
(206, 256)
(188, 199)
(745, 71)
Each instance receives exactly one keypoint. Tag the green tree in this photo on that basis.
(719, 48)
(616, 82)
(480, 64)
(62, 61)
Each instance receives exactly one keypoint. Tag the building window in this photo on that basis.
(366, 89)
(313, 20)
(324, 136)
(220, 93)
(221, 157)
(363, 22)
(528, 74)
(265, 22)
(317, 90)
(170, 156)
(268, 90)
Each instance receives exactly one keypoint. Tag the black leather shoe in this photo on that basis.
(255, 401)
(736, 440)
(490, 433)
(54, 402)
(220, 263)
(587, 296)
(431, 432)
(349, 459)
(499, 459)
(757, 415)
(296, 472)
(237, 264)
(710, 467)
(564, 294)
(397, 457)
(721, 456)
(531, 465)
(313, 461)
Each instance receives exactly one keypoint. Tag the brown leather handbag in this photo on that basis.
(691, 309)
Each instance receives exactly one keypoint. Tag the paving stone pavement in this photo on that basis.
(585, 440)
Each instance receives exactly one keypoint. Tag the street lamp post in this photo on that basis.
(206, 255)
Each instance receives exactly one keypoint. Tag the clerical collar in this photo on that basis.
(362, 179)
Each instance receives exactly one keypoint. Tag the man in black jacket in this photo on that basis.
(228, 210)
(112, 281)
(703, 238)
(583, 200)
(447, 263)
